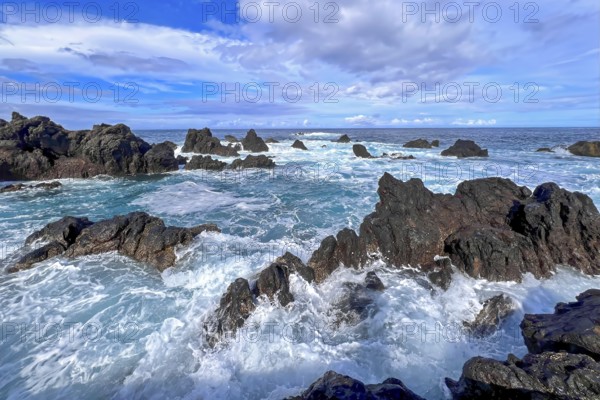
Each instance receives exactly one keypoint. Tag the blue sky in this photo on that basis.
(302, 64)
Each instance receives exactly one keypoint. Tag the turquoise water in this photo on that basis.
(108, 327)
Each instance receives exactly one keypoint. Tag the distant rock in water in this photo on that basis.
(574, 327)
(251, 161)
(231, 139)
(19, 187)
(334, 386)
(181, 160)
(490, 228)
(254, 143)
(37, 148)
(563, 362)
(343, 139)
(465, 148)
(299, 145)
(205, 163)
(271, 140)
(421, 144)
(136, 235)
(398, 156)
(586, 149)
(494, 311)
(361, 151)
(203, 142)
(545, 150)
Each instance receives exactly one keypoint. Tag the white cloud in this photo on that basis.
(417, 121)
(474, 122)
(361, 120)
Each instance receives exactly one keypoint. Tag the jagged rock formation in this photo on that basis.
(203, 142)
(137, 235)
(205, 163)
(585, 149)
(421, 144)
(490, 228)
(361, 151)
(299, 145)
(254, 143)
(37, 148)
(494, 311)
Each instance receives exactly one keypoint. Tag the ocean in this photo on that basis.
(106, 327)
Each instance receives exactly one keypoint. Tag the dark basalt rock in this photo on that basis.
(552, 376)
(205, 163)
(299, 145)
(440, 272)
(343, 139)
(494, 311)
(334, 386)
(419, 144)
(253, 143)
(19, 187)
(398, 156)
(251, 161)
(373, 282)
(465, 148)
(236, 305)
(435, 143)
(356, 304)
(181, 160)
(545, 150)
(160, 158)
(586, 149)
(271, 140)
(361, 151)
(574, 327)
(37, 148)
(203, 142)
(274, 280)
(171, 145)
(490, 228)
(136, 235)
(231, 139)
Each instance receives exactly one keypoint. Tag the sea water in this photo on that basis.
(105, 326)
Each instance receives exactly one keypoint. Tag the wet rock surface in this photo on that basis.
(37, 148)
(20, 187)
(136, 235)
(465, 148)
(491, 316)
(205, 163)
(202, 141)
(254, 143)
(298, 144)
(343, 139)
(585, 149)
(251, 161)
(334, 386)
(361, 151)
(421, 144)
(490, 228)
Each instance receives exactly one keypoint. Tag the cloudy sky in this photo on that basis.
(303, 63)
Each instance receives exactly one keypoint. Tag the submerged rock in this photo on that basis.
(299, 145)
(586, 149)
(361, 151)
(574, 327)
(465, 148)
(136, 235)
(203, 142)
(490, 228)
(19, 187)
(271, 140)
(334, 386)
(494, 311)
(373, 282)
(37, 148)
(253, 143)
(545, 150)
(205, 163)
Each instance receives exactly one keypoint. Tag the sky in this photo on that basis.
(302, 64)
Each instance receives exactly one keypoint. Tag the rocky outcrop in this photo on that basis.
(555, 376)
(361, 151)
(398, 156)
(493, 313)
(299, 145)
(271, 140)
(465, 148)
(238, 302)
(206, 163)
(251, 161)
(254, 143)
(181, 160)
(231, 139)
(586, 149)
(136, 235)
(440, 272)
(334, 386)
(421, 144)
(37, 148)
(20, 187)
(574, 327)
(563, 362)
(343, 139)
(372, 282)
(490, 228)
(203, 142)
(545, 150)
